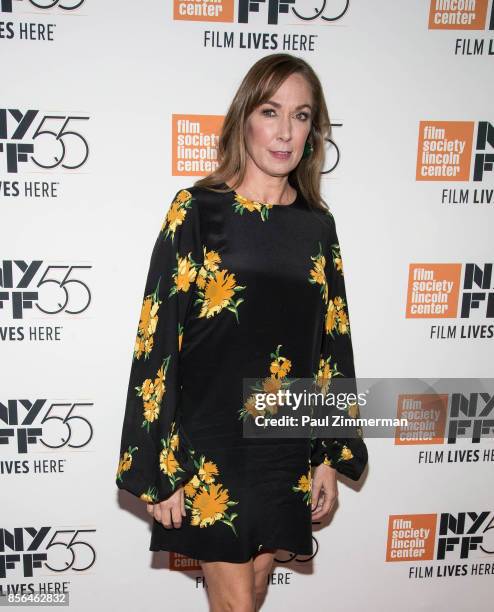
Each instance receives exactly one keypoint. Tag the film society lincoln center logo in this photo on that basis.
(464, 418)
(462, 291)
(459, 151)
(469, 16)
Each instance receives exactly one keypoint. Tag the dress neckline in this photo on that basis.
(254, 203)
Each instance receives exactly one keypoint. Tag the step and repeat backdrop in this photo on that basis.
(108, 108)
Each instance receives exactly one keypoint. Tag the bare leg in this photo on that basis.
(263, 563)
(230, 586)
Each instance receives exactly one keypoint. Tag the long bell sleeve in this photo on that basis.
(347, 455)
(154, 455)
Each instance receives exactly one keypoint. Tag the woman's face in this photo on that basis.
(276, 130)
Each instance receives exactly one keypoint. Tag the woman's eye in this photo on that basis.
(270, 112)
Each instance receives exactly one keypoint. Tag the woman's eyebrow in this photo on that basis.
(278, 105)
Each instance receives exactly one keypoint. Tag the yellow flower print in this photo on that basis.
(345, 453)
(201, 278)
(159, 384)
(250, 407)
(318, 273)
(151, 411)
(207, 500)
(271, 384)
(212, 260)
(323, 375)
(168, 461)
(327, 461)
(336, 318)
(326, 371)
(218, 292)
(152, 393)
(208, 471)
(337, 261)
(180, 336)
(168, 464)
(243, 204)
(125, 462)
(183, 196)
(339, 452)
(304, 486)
(341, 315)
(148, 323)
(279, 368)
(216, 287)
(184, 274)
(174, 441)
(209, 506)
(147, 389)
(176, 213)
(150, 496)
(190, 489)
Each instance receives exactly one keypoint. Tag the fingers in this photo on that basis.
(170, 511)
(318, 504)
(324, 491)
(324, 504)
(316, 496)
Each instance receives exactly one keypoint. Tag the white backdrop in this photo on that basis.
(89, 95)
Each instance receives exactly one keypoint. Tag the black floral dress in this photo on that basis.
(236, 288)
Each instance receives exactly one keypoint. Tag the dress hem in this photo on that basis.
(243, 560)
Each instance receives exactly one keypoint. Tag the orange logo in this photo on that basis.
(447, 15)
(182, 563)
(411, 537)
(444, 150)
(203, 10)
(426, 416)
(195, 142)
(433, 291)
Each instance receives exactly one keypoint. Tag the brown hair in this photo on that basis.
(259, 84)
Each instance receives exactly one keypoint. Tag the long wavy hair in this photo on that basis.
(259, 84)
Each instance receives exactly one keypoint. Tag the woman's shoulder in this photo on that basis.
(325, 216)
(201, 197)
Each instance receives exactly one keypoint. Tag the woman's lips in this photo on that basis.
(281, 154)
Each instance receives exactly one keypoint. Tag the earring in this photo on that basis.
(308, 148)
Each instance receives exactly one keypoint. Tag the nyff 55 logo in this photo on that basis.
(223, 10)
(51, 289)
(29, 548)
(447, 536)
(47, 141)
(432, 417)
(53, 424)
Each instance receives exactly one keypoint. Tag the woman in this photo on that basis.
(245, 281)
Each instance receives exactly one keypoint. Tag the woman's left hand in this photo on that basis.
(324, 490)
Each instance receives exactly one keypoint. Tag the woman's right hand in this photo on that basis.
(169, 512)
